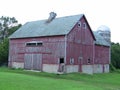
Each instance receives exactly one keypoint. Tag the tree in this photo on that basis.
(4, 52)
(115, 55)
(5, 24)
(13, 29)
(7, 27)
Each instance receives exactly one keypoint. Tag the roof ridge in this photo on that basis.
(55, 18)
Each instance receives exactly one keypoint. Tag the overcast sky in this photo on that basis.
(97, 12)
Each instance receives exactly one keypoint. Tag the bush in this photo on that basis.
(112, 68)
(4, 52)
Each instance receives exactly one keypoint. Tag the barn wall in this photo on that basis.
(80, 44)
(102, 59)
(102, 55)
(53, 48)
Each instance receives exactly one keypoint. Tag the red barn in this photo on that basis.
(64, 45)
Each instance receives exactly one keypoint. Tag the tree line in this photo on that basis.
(8, 25)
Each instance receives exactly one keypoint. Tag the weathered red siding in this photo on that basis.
(102, 55)
(52, 49)
(80, 44)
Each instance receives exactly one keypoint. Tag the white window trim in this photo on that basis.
(36, 43)
(79, 24)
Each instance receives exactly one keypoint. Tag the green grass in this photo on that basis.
(26, 80)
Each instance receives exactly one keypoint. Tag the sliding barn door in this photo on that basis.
(33, 61)
(37, 58)
(28, 61)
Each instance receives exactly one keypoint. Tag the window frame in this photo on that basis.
(84, 25)
(34, 44)
(79, 23)
(72, 61)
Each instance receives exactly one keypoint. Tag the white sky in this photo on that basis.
(97, 12)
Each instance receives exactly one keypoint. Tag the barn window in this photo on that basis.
(39, 44)
(84, 25)
(88, 61)
(80, 59)
(71, 60)
(34, 43)
(30, 44)
(79, 24)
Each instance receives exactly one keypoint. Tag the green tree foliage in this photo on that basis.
(7, 27)
(5, 24)
(4, 52)
(115, 55)
(13, 29)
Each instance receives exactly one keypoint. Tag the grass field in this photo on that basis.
(27, 80)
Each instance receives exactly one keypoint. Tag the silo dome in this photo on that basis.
(103, 28)
(104, 31)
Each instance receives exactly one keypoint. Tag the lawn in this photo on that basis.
(27, 80)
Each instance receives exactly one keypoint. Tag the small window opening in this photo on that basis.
(84, 25)
(71, 60)
(80, 59)
(30, 44)
(39, 44)
(79, 24)
(34, 44)
(88, 61)
(61, 60)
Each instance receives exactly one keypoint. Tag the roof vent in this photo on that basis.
(51, 17)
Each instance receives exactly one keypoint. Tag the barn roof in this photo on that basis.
(59, 26)
(100, 40)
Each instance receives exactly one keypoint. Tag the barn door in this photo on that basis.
(33, 61)
(37, 58)
(28, 61)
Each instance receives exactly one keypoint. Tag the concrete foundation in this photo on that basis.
(98, 68)
(72, 68)
(51, 68)
(106, 68)
(87, 69)
(17, 65)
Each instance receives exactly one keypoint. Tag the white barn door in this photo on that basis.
(33, 61)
